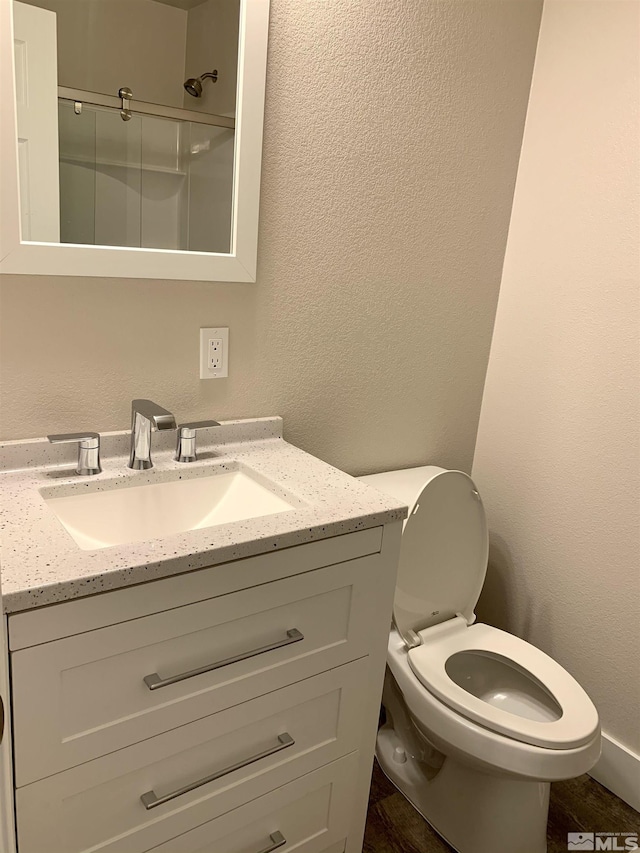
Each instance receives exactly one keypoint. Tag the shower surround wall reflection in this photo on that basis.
(150, 182)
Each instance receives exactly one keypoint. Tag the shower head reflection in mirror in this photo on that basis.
(194, 84)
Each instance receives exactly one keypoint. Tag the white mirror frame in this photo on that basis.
(70, 259)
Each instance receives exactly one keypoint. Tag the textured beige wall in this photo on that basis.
(557, 456)
(392, 137)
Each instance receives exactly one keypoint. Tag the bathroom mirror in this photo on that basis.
(132, 137)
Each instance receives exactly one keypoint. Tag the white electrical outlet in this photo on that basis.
(214, 353)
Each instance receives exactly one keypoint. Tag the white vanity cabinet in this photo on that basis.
(231, 709)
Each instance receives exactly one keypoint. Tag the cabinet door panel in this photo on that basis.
(98, 685)
(103, 805)
(307, 816)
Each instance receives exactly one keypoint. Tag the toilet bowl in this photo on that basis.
(478, 722)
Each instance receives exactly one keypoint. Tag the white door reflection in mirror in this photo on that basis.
(37, 115)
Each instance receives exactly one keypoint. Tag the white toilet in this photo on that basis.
(478, 722)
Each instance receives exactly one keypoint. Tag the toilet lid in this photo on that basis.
(443, 555)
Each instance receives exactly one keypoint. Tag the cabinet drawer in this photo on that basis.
(97, 686)
(309, 815)
(146, 794)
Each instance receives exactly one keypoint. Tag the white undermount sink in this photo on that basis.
(122, 512)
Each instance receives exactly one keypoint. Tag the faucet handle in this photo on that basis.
(88, 450)
(186, 447)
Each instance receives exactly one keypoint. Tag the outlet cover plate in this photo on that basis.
(207, 351)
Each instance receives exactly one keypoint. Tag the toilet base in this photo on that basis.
(473, 811)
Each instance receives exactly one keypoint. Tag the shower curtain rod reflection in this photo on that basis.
(159, 110)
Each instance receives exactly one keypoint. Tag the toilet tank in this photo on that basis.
(405, 485)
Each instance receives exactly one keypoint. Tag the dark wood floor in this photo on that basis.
(578, 805)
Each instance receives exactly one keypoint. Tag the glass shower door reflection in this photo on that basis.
(164, 185)
(210, 193)
(150, 182)
(77, 146)
(118, 207)
(100, 179)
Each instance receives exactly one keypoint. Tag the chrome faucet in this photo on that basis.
(145, 416)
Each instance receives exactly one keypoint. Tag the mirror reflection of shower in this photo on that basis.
(154, 184)
(194, 84)
(141, 143)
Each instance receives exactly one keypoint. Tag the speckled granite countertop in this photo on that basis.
(41, 564)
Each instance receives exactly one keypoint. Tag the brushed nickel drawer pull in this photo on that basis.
(277, 840)
(150, 800)
(154, 681)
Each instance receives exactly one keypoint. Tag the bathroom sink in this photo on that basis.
(118, 512)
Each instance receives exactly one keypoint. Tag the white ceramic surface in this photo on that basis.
(131, 513)
(478, 722)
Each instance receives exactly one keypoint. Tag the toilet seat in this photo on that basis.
(578, 721)
(444, 549)
(457, 735)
